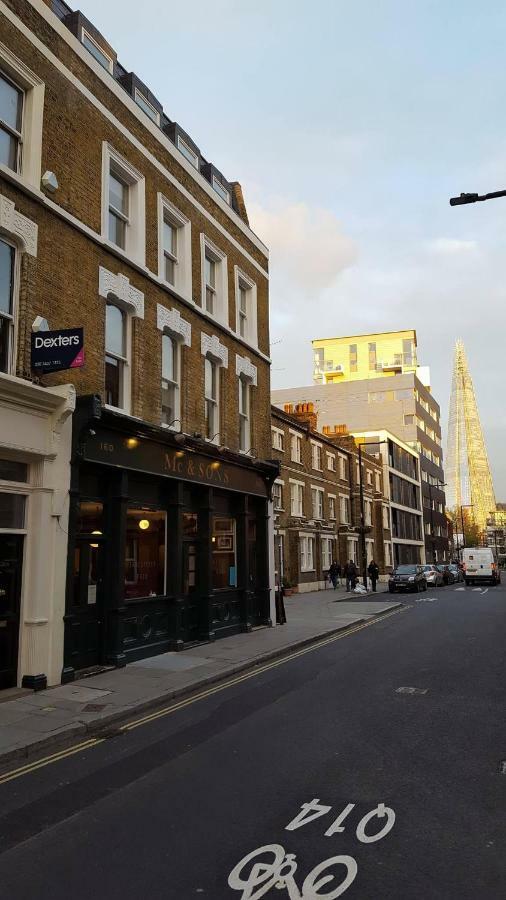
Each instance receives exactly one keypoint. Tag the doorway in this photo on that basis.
(87, 618)
(11, 568)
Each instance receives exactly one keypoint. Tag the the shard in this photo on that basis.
(467, 469)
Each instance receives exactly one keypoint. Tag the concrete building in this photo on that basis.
(496, 532)
(360, 356)
(317, 504)
(403, 405)
(113, 221)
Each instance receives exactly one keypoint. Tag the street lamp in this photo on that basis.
(475, 198)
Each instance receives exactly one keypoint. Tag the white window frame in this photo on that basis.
(135, 236)
(183, 262)
(331, 461)
(327, 550)
(188, 153)
(281, 484)
(317, 502)
(342, 468)
(369, 477)
(13, 318)
(244, 415)
(377, 477)
(215, 437)
(147, 108)
(295, 441)
(386, 518)
(332, 506)
(251, 333)
(296, 498)
(344, 509)
(30, 151)
(277, 434)
(306, 543)
(126, 360)
(316, 456)
(352, 542)
(367, 512)
(220, 312)
(110, 62)
(178, 344)
(221, 190)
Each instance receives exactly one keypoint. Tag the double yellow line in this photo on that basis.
(175, 707)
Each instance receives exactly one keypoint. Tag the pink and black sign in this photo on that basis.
(53, 351)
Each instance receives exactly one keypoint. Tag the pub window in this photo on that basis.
(12, 511)
(7, 257)
(145, 553)
(224, 566)
(116, 357)
(212, 398)
(10, 470)
(90, 517)
(170, 380)
(244, 415)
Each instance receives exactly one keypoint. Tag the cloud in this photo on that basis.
(308, 247)
(451, 246)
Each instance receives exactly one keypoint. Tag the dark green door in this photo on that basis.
(85, 622)
(11, 567)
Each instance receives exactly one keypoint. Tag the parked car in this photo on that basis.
(448, 576)
(407, 578)
(480, 566)
(433, 576)
(457, 572)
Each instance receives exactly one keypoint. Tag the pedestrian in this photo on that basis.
(373, 573)
(350, 573)
(334, 573)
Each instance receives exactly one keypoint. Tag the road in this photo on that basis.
(169, 809)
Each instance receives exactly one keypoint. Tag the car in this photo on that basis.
(433, 575)
(448, 576)
(407, 578)
(457, 572)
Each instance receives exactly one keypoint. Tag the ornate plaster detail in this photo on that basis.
(210, 345)
(244, 366)
(18, 226)
(172, 320)
(119, 285)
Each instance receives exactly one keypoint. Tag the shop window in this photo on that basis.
(12, 511)
(87, 573)
(7, 257)
(116, 357)
(224, 566)
(13, 471)
(170, 381)
(90, 517)
(145, 553)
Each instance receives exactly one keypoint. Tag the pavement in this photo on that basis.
(33, 722)
(377, 759)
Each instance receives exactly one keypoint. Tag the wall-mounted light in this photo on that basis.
(95, 545)
(132, 443)
(40, 324)
(144, 524)
(49, 182)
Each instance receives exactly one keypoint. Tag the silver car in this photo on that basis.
(433, 576)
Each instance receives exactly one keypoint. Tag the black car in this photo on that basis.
(407, 578)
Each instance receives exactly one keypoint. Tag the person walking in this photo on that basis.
(334, 573)
(373, 571)
(350, 573)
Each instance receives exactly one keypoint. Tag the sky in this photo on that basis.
(349, 126)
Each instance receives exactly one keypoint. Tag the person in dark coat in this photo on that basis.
(335, 573)
(373, 571)
(350, 573)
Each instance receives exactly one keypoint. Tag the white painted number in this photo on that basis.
(256, 880)
(380, 812)
(309, 812)
(336, 826)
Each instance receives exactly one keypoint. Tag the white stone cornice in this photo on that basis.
(119, 286)
(244, 366)
(210, 345)
(17, 226)
(172, 320)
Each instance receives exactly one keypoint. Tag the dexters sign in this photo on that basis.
(56, 350)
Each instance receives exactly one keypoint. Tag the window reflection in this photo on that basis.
(224, 565)
(145, 553)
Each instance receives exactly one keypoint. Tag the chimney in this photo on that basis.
(239, 203)
(305, 413)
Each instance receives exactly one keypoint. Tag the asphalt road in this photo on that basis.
(172, 807)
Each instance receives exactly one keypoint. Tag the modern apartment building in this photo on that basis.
(317, 504)
(404, 405)
(360, 356)
(113, 222)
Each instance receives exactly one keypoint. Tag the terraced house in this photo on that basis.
(134, 483)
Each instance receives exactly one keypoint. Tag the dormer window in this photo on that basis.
(221, 190)
(187, 152)
(96, 51)
(146, 107)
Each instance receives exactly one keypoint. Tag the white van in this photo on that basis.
(480, 565)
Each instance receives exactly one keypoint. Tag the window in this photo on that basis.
(13, 471)
(368, 512)
(7, 258)
(369, 477)
(353, 358)
(404, 394)
(332, 507)
(386, 517)
(344, 510)
(118, 209)
(306, 553)
(224, 563)
(243, 309)
(214, 281)
(244, 415)
(246, 307)
(12, 511)
(377, 477)
(317, 503)
(11, 123)
(331, 462)
(316, 457)
(210, 279)
(146, 107)
(123, 204)
(277, 495)
(96, 51)
(342, 468)
(221, 189)
(116, 356)
(145, 553)
(296, 499)
(408, 352)
(174, 242)
(409, 420)
(353, 550)
(388, 554)
(187, 152)
(211, 392)
(372, 357)
(327, 552)
(278, 439)
(296, 448)
(169, 250)
(170, 381)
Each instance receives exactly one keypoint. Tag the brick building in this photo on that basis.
(317, 501)
(112, 220)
